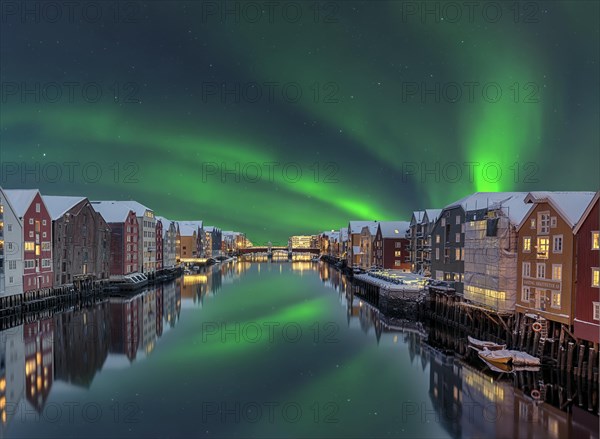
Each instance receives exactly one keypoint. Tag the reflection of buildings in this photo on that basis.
(148, 321)
(124, 325)
(81, 340)
(171, 301)
(12, 372)
(39, 361)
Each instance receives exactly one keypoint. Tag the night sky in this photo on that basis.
(380, 105)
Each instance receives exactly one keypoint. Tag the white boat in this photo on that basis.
(496, 357)
(485, 344)
(508, 356)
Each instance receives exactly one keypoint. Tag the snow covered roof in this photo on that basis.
(357, 226)
(343, 234)
(20, 199)
(587, 212)
(112, 211)
(58, 205)
(433, 214)
(5, 201)
(570, 205)
(394, 229)
(187, 228)
(481, 200)
(371, 227)
(331, 234)
(417, 216)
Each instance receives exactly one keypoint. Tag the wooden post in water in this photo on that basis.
(570, 350)
(581, 353)
(591, 362)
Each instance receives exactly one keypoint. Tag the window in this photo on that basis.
(557, 244)
(543, 245)
(9, 227)
(443, 222)
(526, 271)
(46, 246)
(553, 222)
(544, 223)
(37, 250)
(457, 254)
(29, 263)
(595, 277)
(457, 237)
(437, 254)
(596, 310)
(45, 263)
(557, 271)
(541, 270)
(526, 294)
(555, 299)
(398, 244)
(526, 244)
(437, 239)
(12, 265)
(595, 240)
(37, 207)
(398, 253)
(458, 220)
(43, 222)
(43, 234)
(397, 262)
(532, 223)
(31, 221)
(29, 246)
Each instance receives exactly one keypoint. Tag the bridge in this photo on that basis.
(273, 249)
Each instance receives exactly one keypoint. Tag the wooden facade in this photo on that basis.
(587, 302)
(391, 246)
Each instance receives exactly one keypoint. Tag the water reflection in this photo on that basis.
(463, 398)
(472, 402)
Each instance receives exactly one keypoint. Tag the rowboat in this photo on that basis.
(496, 357)
(479, 344)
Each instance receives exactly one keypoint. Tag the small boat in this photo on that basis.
(485, 344)
(496, 357)
(131, 282)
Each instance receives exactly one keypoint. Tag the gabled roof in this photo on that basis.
(111, 211)
(356, 226)
(570, 205)
(587, 212)
(417, 216)
(5, 201)
(394, 229)
(20, 199)
(58, 205)
(187, 228)
(433, 214)
(372, 227)
(481, 200)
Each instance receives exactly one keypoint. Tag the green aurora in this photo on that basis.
(380, 134)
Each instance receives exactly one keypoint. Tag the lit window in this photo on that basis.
(596, 310)
(541, 270)
(526, 244)
(437, 239)
(532, 224)
(543, 246)
(398, 253)
(457, 255)
(29, 246)
(555, 299)
(557, 244)
(557, 271)
(595, 240)
(595, 277)
(544, 223)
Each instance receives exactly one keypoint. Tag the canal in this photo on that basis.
(270, 349)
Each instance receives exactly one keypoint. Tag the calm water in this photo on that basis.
(257, 350)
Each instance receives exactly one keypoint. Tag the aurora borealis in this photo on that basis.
(398, 105)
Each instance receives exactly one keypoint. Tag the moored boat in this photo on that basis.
(496, 357)
(485, 344)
